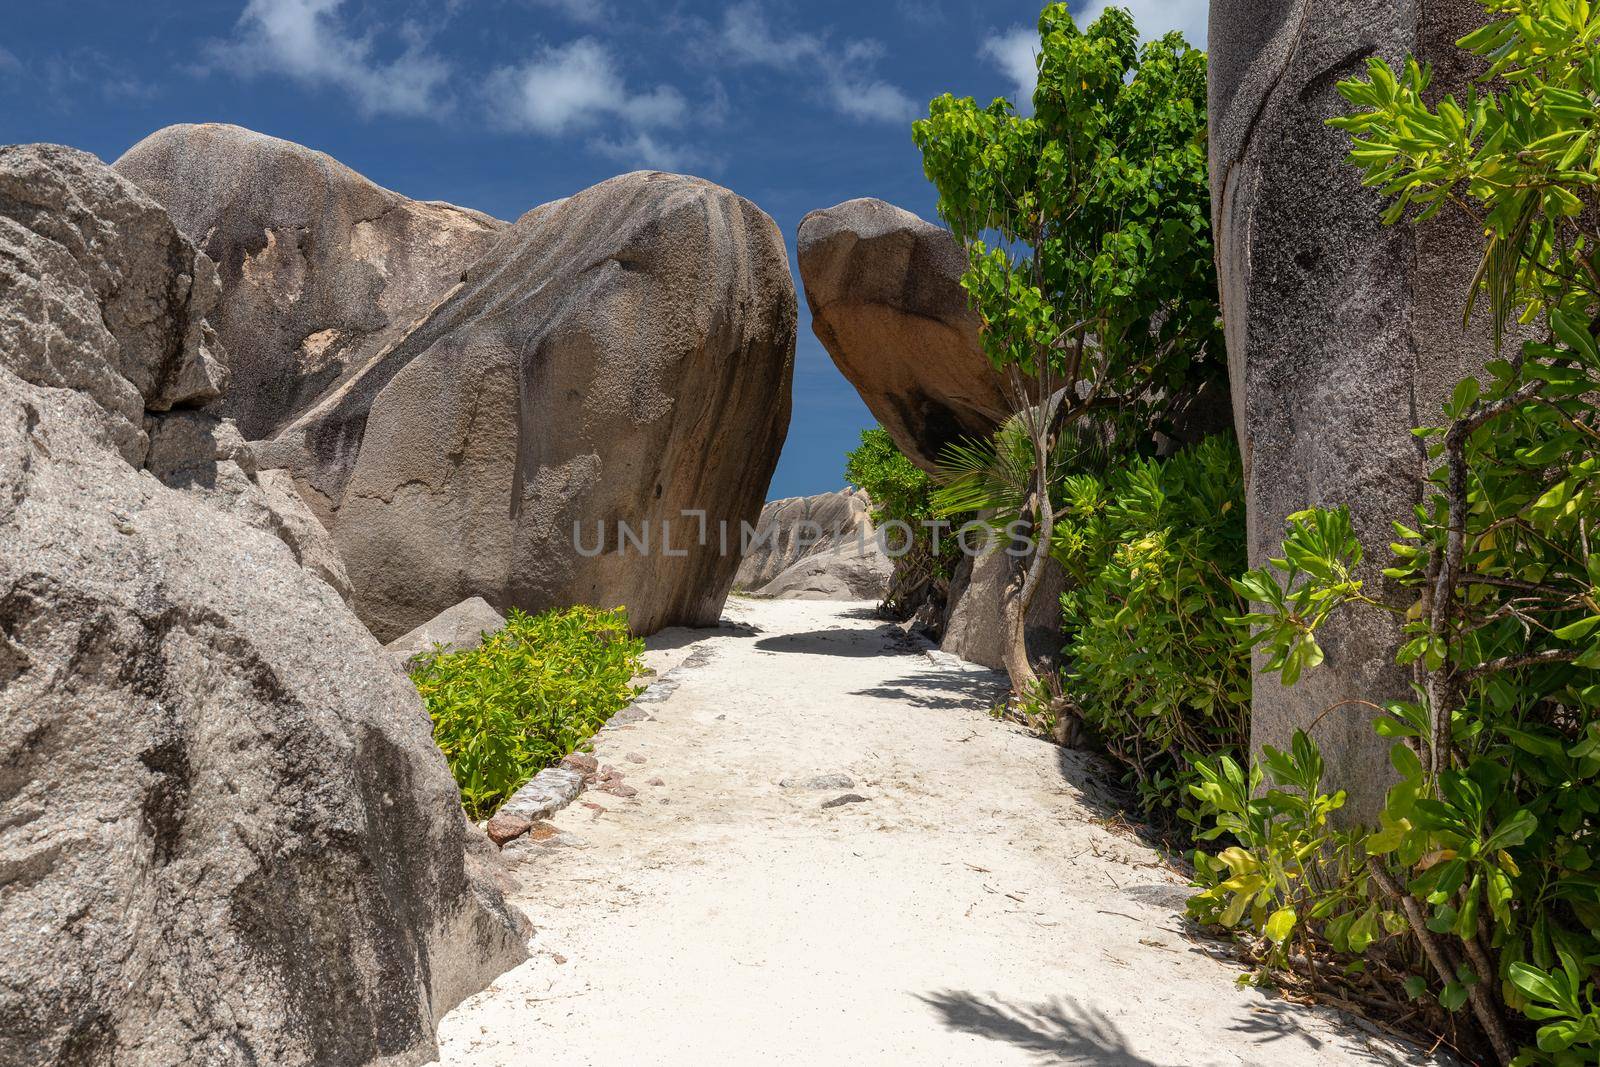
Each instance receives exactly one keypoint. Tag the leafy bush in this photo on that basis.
(899, 488)
(1156, 667)
(1487, 846)
(533, 692)
(902, 492)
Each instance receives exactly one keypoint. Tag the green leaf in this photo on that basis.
(1280, 925)
(1453, 996)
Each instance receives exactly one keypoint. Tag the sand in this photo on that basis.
(973, 907)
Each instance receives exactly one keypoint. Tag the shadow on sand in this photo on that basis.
(1056, 1031)
(968, 690)
(680, 636)
(886, 640)
(1062, 1031)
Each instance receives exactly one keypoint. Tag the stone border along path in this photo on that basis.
(555, 787)
(830, 853)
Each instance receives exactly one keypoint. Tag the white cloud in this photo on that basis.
(1013, 52)
(749, 39)
(575, 86)
(646, 150)
(874, 101)
(9, 63)
(845, 71)
(1157, 17)
(308, 41)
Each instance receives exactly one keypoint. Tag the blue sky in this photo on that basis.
(501, 105)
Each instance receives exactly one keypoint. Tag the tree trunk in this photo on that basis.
(1027, 573)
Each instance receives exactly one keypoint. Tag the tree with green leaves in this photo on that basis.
(1088, 237)
(1486, 853)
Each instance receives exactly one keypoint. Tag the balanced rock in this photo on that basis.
(227, 834)
(574, 423)
(819, 547)
(1342, 333)
(319, 265)
(887, 303)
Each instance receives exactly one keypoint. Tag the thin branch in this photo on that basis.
(1511, 663)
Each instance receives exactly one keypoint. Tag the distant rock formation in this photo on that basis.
(227, 834)
(819, 547)
(887, 303)
(1343, 334)
(320, 267)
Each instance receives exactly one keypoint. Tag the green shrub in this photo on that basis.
(899, 489)
(1487, 848)
(532, 693)
(1155, 664)
(902, 492)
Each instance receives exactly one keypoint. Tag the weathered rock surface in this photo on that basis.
(624, 355)
(1342, 333)
(320, 266)
(819, 547)
(90, 303)
(461, 627)
(887, 303)
(973, 627)
(225, 833)
(200, 452)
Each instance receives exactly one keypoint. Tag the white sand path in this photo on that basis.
(972, 910)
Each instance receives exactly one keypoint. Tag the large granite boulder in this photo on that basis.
(200, 451)
(226, 836)
(319, 265)
(819, 547)
(1342, 333)
(887, 303)
(622, 356)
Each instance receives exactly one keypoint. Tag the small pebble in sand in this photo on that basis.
(634, 757)
(655, 781)
(848, 798)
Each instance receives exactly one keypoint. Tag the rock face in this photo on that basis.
(623, 355)
(819, 547)
(225, 833)
(1342, 333)
(203, 453)
(458, 628)
(887, 303)
(320, 267)
(973, 628)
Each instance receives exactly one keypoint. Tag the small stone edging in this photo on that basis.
(556, 787)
